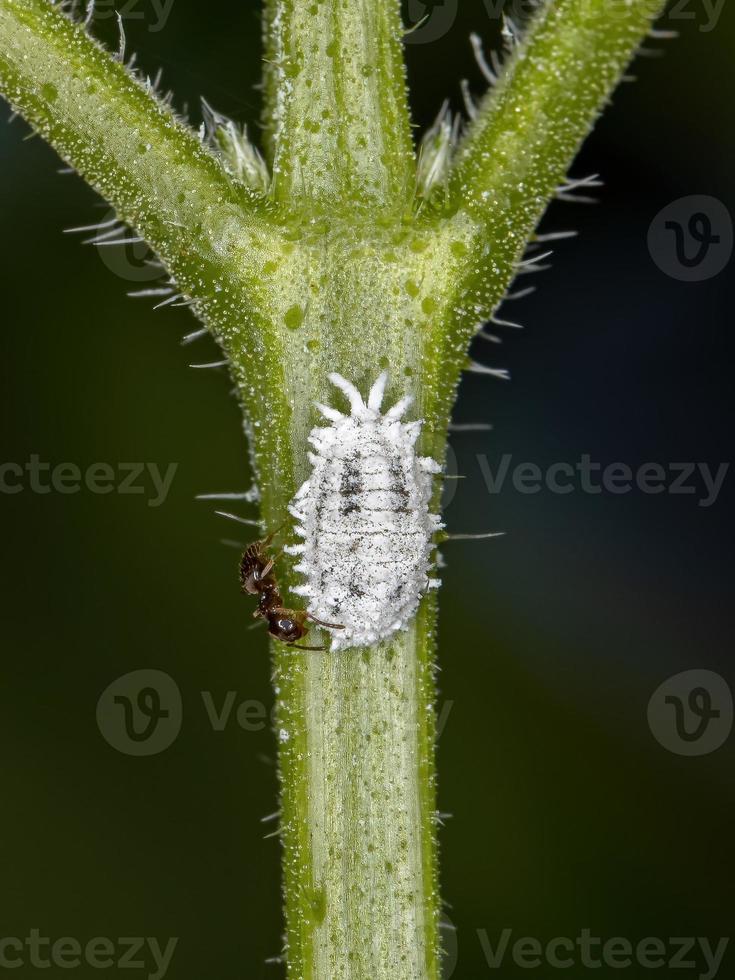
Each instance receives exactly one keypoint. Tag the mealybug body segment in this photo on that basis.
(364, 517)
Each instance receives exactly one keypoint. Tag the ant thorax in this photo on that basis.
(365, 520)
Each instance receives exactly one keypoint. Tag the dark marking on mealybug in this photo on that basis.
(399, 481)
(365, 519)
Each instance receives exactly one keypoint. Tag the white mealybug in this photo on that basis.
(364, 517)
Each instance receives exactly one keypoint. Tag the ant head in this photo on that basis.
(286, 626)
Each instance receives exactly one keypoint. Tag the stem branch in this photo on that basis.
(131, 148)
(336, 109)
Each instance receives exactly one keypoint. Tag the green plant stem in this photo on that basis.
(337, 272)
(530, 125)
(356, 753)
(357, 735)
(517, 151)
(335, 110)
(130, 147)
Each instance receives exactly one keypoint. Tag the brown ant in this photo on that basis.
(258, 578)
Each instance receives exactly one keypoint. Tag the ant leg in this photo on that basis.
(268, 567)
(331, 626)
(267, 541)
(295, 647)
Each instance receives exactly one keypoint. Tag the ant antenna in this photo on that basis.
(331, 626)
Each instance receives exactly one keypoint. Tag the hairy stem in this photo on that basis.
(530, 125)
(356, 729)
(356, 734)
(516, 152)
(336, 108)
(130, 147)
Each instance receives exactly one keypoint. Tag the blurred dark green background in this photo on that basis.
(567, 813)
